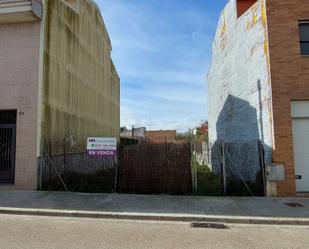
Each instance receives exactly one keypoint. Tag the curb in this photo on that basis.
(157, 217)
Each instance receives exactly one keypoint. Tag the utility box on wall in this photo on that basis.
(275, 172)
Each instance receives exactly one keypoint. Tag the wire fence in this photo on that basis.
(200, 168)
(69, 167)
(232, 169)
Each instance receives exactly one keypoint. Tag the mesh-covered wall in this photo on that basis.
(239, 90)
(81, 85)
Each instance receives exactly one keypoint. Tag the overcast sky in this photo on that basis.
(162, 51)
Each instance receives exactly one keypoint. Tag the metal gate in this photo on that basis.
(7, 146)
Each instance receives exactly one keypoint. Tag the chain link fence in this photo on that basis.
(200, 168)
(67, 166)
(232, 169)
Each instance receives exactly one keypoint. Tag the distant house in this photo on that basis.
(57, 82)
(258, 83)
(133, 133)
(154, 136)
(161, 136)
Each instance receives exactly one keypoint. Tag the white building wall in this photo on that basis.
(238, 110)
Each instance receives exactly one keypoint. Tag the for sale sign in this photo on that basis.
(102, 146)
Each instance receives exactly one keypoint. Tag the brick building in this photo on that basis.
(161, 136)
(57, 82)
(259, 83)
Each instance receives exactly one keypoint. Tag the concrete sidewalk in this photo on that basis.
(259, 210)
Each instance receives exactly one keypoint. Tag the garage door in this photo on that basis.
(300, 122)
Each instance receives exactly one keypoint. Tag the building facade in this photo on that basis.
(57, 82)
(138, 132)
(258, 84)
(161, 136)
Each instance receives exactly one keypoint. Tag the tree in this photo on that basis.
(188, 135)
(202, 131)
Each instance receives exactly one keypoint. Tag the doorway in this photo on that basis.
(7, 146)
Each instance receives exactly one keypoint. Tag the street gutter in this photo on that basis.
(157, 217)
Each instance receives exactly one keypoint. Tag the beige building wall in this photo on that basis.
(19, 65)
(70, 89)
(81, 85)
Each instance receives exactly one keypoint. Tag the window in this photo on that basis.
(304, 37)
(243, 6)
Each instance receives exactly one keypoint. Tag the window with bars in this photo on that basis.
(304, 37)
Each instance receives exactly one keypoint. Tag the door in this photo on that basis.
(7, 146)
(301, 153)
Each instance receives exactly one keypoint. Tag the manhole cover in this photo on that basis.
(209, 225)
(290, 204)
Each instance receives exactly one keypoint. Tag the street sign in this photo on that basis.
(102, 146)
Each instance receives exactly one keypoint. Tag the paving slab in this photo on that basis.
(259, 210)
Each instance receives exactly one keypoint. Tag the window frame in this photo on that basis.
(300, 23)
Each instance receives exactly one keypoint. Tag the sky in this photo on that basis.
(162, 52)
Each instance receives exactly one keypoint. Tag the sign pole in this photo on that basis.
(116, 173)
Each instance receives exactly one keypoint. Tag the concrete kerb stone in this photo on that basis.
(157, 217)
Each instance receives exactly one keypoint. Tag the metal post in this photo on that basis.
(196, 187)
(116, 171)
(41, 168)
(223, 169)
(262, 165)
(193, 168)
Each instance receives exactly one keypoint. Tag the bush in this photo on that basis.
(208, 184)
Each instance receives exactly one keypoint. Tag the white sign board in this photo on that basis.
(102, 146)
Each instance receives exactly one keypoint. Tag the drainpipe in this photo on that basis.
(40, 123)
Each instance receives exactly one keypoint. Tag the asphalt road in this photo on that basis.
(33, 232)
